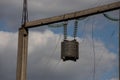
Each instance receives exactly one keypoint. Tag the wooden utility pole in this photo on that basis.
(23, 32)
(21, 72)
(22, 54)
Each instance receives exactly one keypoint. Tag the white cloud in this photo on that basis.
(114, 79)
(43, 62)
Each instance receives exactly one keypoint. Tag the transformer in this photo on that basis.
(69, 50)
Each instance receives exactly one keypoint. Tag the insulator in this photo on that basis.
(75, 29)
(65, 30)
(69, 50)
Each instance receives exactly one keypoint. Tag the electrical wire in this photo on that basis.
(110, 38)
(110, 18)
(58, 40)
(119, 45)
(57, 64)
(65, 37)
(93, 46)
(94, 54)
(85, 27)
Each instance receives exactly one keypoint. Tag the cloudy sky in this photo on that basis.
(44, 61)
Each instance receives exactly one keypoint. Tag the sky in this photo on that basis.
(44, 49)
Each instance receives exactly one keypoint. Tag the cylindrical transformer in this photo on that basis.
(69, 50)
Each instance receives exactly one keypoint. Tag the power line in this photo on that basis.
(54, 50)
(94, 54)
(57, 64)
(119, 45)
(109, 17)
(84, 27)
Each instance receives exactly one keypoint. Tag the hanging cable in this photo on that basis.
(56, 45)
(85, 27)
(59, 38)
(94, 55)
(64, 25)
(119, 46)
(56, 65)
(24, 13)
(110, 18)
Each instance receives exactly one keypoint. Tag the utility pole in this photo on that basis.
(22, 54)
(23, 31)
(21, 73)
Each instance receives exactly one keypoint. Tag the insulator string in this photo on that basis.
(75, 29)
(65, 30)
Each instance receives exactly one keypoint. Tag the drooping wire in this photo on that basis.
(57, 64)
(119, 45)
(64, 25)
(59, 38)
(54, 51)
(85, 27)
(24, 13)
(94, 54)
(110, 18)
(56, 45)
